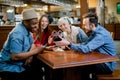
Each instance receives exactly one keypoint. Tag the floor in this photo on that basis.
(117, 45)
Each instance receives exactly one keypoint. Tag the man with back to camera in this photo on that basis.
(99, 40)
(18, 49)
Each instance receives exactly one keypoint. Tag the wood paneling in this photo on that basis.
(4, 31)
(117, 33)
(84, 9)
(115, 28)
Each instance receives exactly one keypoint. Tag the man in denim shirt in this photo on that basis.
(18, 49)
(99, 40)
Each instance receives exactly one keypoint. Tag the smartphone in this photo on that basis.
(56, 38)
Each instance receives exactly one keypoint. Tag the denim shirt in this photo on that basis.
(101, 41)
(19, 40)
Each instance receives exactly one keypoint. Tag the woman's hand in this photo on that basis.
(50, 40)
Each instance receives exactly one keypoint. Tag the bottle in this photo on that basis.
(1, 22)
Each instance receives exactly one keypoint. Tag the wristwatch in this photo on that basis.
(69, 45)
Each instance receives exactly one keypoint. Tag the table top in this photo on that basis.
(71, 58)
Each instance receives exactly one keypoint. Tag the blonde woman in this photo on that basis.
(71, 33)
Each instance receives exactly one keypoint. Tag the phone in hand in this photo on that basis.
(56, 35)
(56, 38)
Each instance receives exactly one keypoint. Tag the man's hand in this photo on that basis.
(63, 42)
(28, 60)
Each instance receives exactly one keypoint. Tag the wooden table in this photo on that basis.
(68, 59)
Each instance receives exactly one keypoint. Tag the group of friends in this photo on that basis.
(29, 38)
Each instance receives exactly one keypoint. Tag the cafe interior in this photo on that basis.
(108, 12)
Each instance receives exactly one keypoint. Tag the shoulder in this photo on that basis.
(101, 30)
(18, 32)
(16, 36)
(20, 28)
(75, 28)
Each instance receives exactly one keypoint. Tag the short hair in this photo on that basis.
(92, 18)
(66, 19)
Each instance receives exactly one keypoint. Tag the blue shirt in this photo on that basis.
(19, 40)
(101, 41)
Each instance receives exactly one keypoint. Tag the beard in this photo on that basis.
(34, 30)
(88, 32)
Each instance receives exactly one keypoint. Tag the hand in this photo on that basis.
(49, 48)
(32, 46)
(63, 42)
(28, 60)
(50, 39)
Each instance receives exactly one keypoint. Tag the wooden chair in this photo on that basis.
(112, 34)
(114, 76)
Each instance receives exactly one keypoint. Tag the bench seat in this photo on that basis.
(114, 76)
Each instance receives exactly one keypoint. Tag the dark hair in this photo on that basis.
(50, 19)
(92, 18)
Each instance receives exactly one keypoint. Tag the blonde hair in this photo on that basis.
(64, 19)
